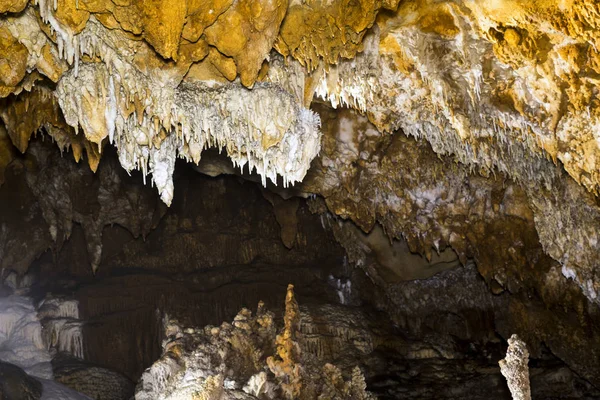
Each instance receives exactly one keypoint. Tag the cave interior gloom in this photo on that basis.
(299, 200)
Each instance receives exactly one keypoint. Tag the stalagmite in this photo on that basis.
(446, 147)
(286, 364)
(515, 370)
(196, 362)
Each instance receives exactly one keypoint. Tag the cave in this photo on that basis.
(256, 199)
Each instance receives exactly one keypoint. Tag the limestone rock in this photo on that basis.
(12, 6)
(244, 359)
(13, 63)
(506, 92)
(246, 32)
(94, 381)
(515, 370)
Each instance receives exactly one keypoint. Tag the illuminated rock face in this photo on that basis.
(119, 90)
(506, 89)
(490, 82)
(514, 368)
(247, 359)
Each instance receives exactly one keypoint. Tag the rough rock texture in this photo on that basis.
(184, 266)
(137, 101)
(504, 87)
(16, 384)
(21, 341)
(25, 355)
(28, 113)
(431, 365)
(92, 380)
(220, 243)
(55, 198)
(515, 370)
(500, 97)
(245, 360)
(434, 203)
(62, 327)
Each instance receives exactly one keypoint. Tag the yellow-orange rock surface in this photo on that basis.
(501, 86)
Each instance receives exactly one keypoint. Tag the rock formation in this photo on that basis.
(515, 370)
(245, 360)
(505, 89)
(22, 343)
(92, 380)
(16, 384)
(26, 371)
(62, 327)
(466, 132)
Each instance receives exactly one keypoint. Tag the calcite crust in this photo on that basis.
(505, 88)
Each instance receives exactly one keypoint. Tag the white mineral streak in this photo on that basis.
(63, 330)
(343, 288)
(567, 221)
(26, 28)
(66, 40)
(259, 386)
(448, 100)
(515, 370)
(352, 83)
(21, 341)
(290, 76)
(193, 375)
(441, 101)
(265, 128)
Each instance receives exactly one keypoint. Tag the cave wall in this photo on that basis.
(225, 243)
(500, 98)
(502, 87)
(217, 249)
(400, 185)
(227, 230)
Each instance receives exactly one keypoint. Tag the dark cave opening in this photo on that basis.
(419, 329)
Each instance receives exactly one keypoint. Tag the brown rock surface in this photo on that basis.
(471, 126)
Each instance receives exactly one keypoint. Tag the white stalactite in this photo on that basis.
(63, 330)
(265, 128)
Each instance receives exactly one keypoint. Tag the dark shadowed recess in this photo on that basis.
(218, 248)
(436, 328)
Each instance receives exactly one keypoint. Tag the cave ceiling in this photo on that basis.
(471, 124)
